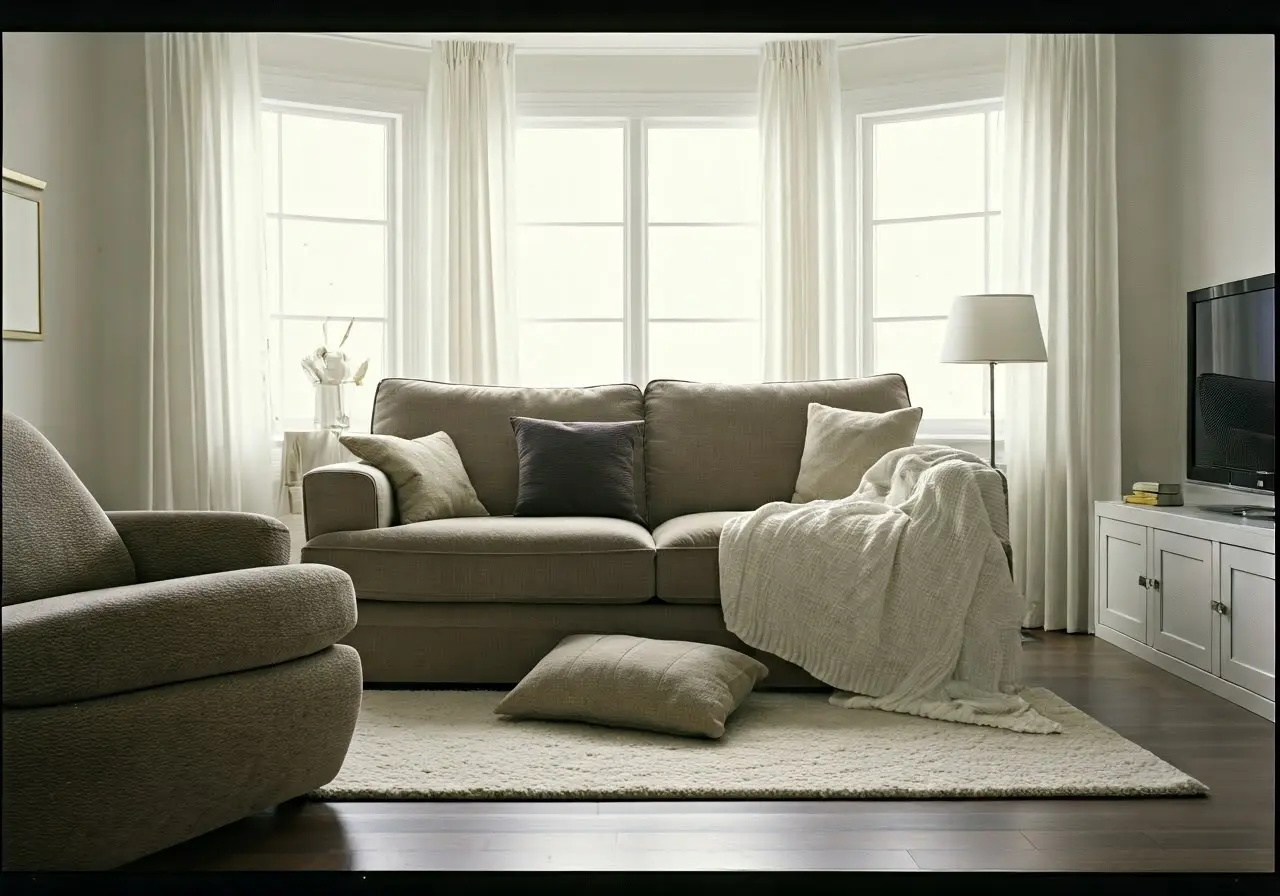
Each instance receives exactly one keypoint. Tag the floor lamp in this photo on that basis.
(993, 329)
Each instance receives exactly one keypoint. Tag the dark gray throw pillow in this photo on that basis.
(577, 469)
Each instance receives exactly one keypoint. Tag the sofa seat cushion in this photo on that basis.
(567, 559)
(688, 564)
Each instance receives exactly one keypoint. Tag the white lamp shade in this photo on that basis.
(993, 328)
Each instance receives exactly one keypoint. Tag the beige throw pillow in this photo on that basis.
(840, 446)
(429, 479)
(677, 687)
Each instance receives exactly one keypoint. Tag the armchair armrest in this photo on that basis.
(347, 497)
(95, 643)
(171, 544)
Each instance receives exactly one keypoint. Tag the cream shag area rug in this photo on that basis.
(412, 745)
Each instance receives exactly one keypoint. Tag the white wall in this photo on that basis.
(1147, 231)
(1195, 179)
(1225, 169)
(927, 57)
(871, 65)
(357, 60)
(933, 55)
(1224, 176)
(50, 132)
(123, 275)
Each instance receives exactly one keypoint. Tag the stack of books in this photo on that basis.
(1156, 494)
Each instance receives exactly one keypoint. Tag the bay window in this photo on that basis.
(928, 229)
(331, 177)
(571, 253)
(637, 238)
(638, 249)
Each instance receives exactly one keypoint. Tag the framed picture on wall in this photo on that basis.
(23, 267)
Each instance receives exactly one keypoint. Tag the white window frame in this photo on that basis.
(903, 102)
(636, 114)
(627, 319)
(402, 111)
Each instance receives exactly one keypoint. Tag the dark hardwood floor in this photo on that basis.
(1231, 830)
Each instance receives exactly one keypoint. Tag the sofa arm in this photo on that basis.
(96, 643)
(1008, 547)
(347, 497)
(171, 544)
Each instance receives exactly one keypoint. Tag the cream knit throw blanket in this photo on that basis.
(899, 595)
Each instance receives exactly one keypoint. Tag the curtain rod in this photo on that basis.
(603, 51)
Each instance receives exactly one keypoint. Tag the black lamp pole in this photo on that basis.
(992, 409)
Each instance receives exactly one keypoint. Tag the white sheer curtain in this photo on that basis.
(800, 157)
(471, 125)
(1063, 418)
(209, 415)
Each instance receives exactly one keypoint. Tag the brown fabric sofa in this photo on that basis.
(481, 600)
(164, 673)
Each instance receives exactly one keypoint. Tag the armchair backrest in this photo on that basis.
(57, 540)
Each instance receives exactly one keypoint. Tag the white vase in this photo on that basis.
(331, 408)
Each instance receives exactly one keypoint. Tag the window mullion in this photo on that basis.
(392, 298)
(986, 244)
(904, 318)
(571, 225)
(360, 319)
(279, 352)
(926, 219)
(636, 308)
(866, 268)
(326, 219)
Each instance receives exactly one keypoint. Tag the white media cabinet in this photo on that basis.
(1191, 592)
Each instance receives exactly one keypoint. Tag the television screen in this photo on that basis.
(1233, 384)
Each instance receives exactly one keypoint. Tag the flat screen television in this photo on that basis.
(1231, 384)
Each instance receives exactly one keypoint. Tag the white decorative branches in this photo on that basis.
(329, 371)
(332, 367)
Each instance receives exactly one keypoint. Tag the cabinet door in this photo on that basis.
(1122, 568)
(1248, 596)
(1181, 583)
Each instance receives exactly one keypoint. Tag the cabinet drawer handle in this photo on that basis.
(1142, 580)
(1154, 583)
(1220, 608)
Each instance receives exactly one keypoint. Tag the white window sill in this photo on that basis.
(960, 441)
(979, 445)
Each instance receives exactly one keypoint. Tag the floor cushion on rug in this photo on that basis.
(677, 687)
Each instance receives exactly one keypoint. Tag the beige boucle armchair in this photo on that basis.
(165, 673)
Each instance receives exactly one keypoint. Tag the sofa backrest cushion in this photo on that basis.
(714, 446)
(478, 420)
(57, 540)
